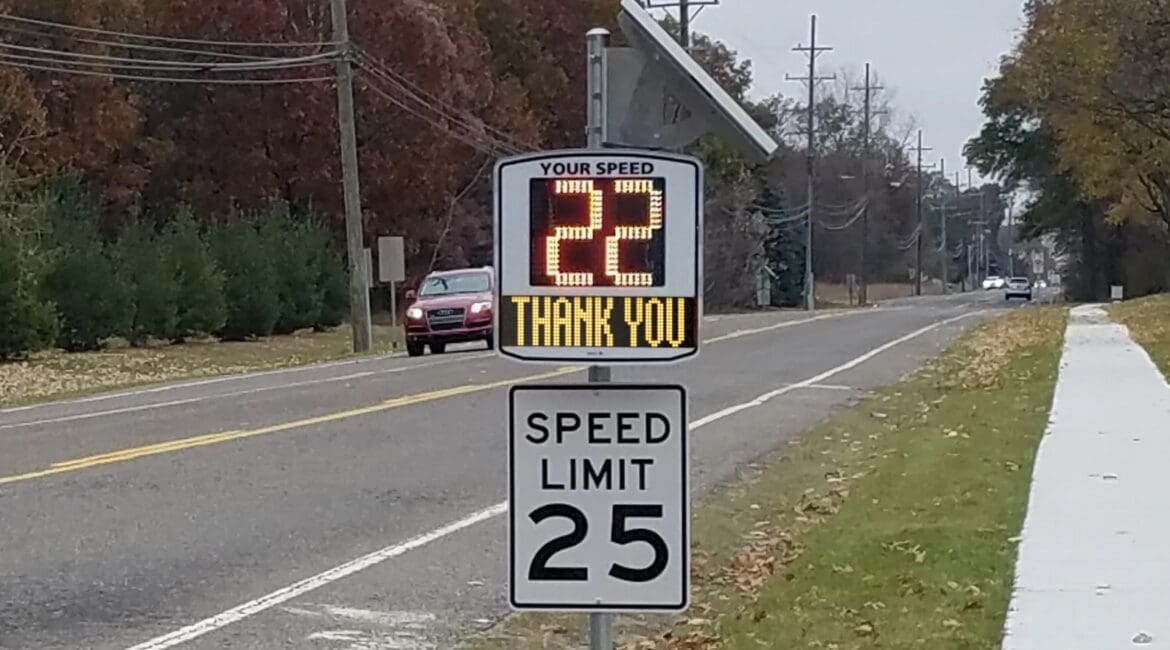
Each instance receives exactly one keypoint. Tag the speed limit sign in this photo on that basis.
(598, 498)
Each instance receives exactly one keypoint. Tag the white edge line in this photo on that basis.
(295, 590)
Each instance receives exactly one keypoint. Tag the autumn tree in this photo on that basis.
(1079, 114)
(87, 123)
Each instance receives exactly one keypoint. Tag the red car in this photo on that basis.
(450, 307)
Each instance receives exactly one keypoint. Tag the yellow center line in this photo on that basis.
(123, 455)
(131, 453)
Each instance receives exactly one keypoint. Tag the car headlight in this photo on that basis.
(414, 313)
(481, 307)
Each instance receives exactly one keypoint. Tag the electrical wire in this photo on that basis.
(786, 220)
(464, 119)
(137, 47)
(442, 120)
(842, 207)
(466, 138)
(373, 66)
(910, 241)
(96, 60)
(129, 77)
(847, 224)
(768, 210)
(772, 220)
(162, 39)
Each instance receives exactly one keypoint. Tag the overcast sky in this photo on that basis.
(931, 55)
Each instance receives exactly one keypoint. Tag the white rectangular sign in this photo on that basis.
(599, 500)
(391, 259)
(598, 256)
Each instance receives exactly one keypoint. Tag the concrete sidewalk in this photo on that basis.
(1094, 561)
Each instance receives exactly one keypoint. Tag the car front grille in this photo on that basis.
(445, 319)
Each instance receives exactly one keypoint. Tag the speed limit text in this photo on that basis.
(597, 471)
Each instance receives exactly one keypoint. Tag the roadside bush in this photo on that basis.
(291, 246)
(93, 298)
(250, 282)
(200, 307)
(27, 323)
(334, 282)
(149, 269)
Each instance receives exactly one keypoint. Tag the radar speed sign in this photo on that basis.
(598, 256)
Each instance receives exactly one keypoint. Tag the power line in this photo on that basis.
(62, 57)
(467, 138)
(847, 224)
(162, 39)
(914, 238)
(4, 59)
(135, 46)
(389, 75)
(842, 209)
(763, 208)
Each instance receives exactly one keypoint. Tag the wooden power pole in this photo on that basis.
(921, 226)
(813, 51)
(359, 292)
(869, 89)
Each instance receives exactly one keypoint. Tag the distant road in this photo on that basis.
(357, 503)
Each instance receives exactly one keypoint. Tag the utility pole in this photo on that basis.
(982, 212)
(359, 276)
(1011, 235)
(810, 156)
(921, 227)
(944, 267)
(684, 15)
(869, 88)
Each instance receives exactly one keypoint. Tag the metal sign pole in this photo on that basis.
(600, 624)
(393, 316)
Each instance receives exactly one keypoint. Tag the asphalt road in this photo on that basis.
(357, 505)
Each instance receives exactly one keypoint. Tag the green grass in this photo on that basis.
(56, 374)
(890, 525)
(1148, 320)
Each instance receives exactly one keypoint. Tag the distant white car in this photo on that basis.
(1018, 288)
(993, 282)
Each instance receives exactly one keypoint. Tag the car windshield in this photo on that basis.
(442, 285)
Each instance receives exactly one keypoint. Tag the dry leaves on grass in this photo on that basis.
(58, 374)
(1148, 319)
(978, 361)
